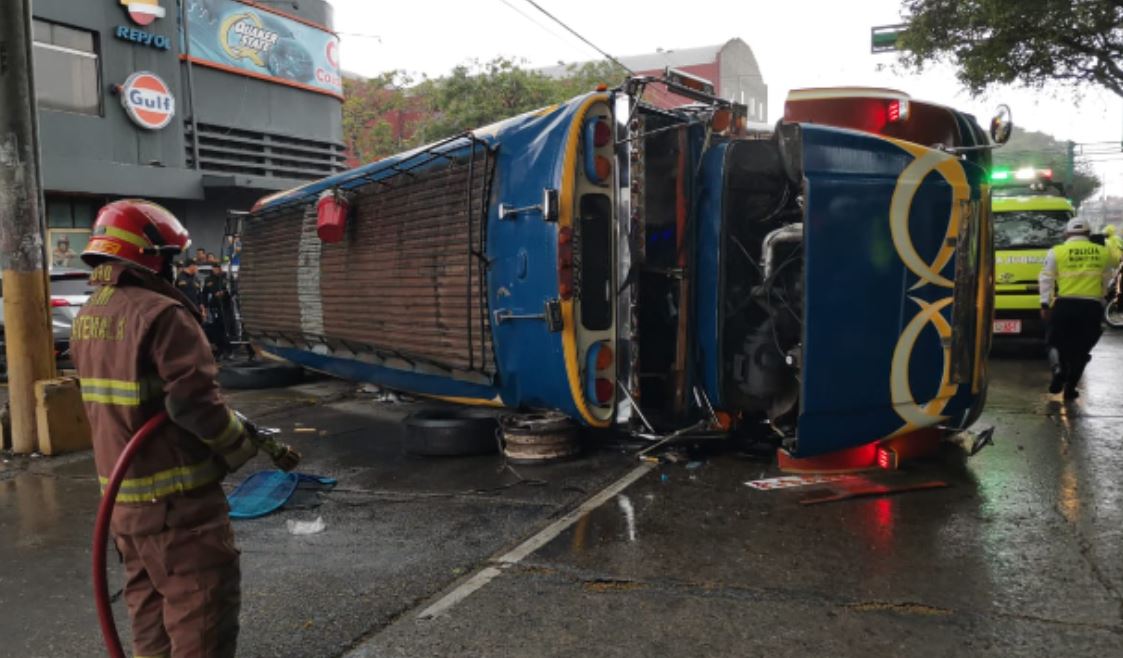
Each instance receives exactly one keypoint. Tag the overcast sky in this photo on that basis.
(798, 43)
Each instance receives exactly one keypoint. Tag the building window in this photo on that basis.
(69, 220)
(66, 68)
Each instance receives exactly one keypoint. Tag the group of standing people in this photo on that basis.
(212, 293)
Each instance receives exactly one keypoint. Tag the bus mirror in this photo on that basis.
(550, 205)
(1002, 125)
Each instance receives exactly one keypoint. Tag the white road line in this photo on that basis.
(466, 589)
(543, 537)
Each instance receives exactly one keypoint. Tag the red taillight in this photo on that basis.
(604, 168)
(565, 263)
(56, 302)
(887, 458)
(898, 110)
(605, 358)
(602, 134)
(600, 374)
(565, 282)
(604, 389)
(1046, 173)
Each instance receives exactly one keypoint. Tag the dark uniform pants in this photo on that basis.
(1074, 329)
(183, 591)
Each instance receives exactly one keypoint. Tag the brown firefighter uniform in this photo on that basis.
(139, 348)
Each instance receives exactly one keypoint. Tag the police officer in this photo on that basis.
(1113, 241)
(139, 348)
(1080, 271)
(188, 283)
(216, 298)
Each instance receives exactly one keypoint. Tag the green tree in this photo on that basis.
(368, 107)
(1028, 148)
(1030, 42)
(389, 114)
(480, 93)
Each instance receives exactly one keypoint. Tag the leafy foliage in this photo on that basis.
(388, 114)
(370, 108)
(1030, 42)
(1028, 148)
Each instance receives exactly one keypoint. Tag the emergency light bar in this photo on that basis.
(1024, 174)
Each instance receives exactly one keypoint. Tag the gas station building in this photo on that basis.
(201, 105)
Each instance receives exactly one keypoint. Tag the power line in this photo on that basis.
(615, 61)
(529, 18)
(360, 35)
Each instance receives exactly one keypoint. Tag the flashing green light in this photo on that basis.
(1000, 174)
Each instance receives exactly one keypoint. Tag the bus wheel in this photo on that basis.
(450, 432)
(252, 374)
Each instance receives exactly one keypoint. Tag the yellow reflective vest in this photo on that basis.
(1080, 269)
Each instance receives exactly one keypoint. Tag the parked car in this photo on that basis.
(70, 288)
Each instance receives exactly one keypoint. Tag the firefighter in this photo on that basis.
(1080, 271)
(139, 347)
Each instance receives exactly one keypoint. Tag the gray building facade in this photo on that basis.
(235, 133)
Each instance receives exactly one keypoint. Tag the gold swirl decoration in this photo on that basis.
(925, 161)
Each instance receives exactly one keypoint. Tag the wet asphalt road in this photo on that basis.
(1021, 555)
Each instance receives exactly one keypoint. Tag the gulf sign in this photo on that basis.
(148, 100)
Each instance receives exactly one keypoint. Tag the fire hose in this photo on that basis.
(282, 455)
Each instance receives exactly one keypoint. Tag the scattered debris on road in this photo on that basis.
(306, 527)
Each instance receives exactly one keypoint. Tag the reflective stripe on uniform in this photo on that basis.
(233, 430)
(119, 391)
(165, 483)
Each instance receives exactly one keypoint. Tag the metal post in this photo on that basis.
(27, 323)
(1070, 166)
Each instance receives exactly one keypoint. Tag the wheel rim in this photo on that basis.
(1114, 315)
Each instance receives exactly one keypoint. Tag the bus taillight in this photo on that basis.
(602, 133)
(600, 368)
(597, 143)
(565, 263)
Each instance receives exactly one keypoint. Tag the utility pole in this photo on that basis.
(1071, 164)
(23, 253)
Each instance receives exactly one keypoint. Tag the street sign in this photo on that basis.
(885, 38)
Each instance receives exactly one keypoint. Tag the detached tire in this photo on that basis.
(450, 433)
(258, 374)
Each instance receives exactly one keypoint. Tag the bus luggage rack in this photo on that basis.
(463, 146)
(408, 281)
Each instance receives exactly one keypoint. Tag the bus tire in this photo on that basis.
(258, 374)
(450, 432)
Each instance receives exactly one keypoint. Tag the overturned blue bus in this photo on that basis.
(642, 268)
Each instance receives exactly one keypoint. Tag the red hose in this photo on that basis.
(101, 533)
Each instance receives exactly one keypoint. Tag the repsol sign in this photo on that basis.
(140, 37)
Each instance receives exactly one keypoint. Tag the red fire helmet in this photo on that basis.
(138, 232)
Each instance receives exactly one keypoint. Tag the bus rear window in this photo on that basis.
(1029, 229)
(595, 268)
